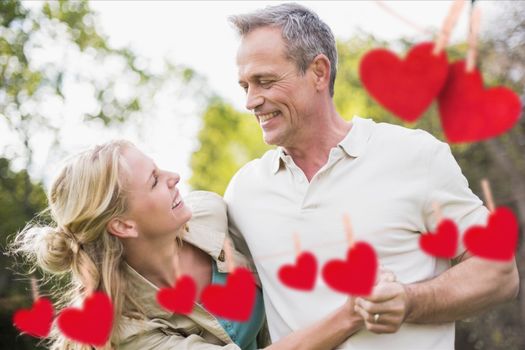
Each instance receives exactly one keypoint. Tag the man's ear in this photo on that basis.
(122, 228)
(321, 68)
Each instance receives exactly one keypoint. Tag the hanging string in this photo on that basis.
(412, 24)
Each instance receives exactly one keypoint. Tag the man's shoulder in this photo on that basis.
(400, 138)
(252, 172)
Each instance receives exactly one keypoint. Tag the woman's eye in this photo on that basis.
(155, 181)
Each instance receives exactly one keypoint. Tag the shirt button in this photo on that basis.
(221, 256)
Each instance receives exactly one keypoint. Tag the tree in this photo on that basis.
(47, 51)
(17, 208)
(228, 140)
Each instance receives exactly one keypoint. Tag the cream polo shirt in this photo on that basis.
(386, 177)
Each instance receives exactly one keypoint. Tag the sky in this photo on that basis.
(197, 34)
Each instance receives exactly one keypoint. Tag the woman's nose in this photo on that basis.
(173, 179)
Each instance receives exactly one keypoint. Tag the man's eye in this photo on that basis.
(156, 180)
(265, 83)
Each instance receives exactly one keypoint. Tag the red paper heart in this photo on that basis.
(180, 298)
(404, 87)
(471, 113)
(90, 325)
(37, 320)
(356, 275)
(302, 274)
(235, 299)
(443, 243)
(497, 240)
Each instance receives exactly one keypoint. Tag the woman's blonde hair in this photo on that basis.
(87, 193)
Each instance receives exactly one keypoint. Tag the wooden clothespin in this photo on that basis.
(297, 244)
(176, 267)
(449, 23)
(228, 252)
(437, 212)
(348, 230)
(488, 195)
(34, 288)
(475, 16)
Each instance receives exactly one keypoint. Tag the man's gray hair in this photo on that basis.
(305, 34)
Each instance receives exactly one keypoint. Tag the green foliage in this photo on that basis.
(27, 81)
(20, 200)
(228, 140)
(79, 22)
(65, 31)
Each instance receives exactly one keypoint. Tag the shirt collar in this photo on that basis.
(354, 143)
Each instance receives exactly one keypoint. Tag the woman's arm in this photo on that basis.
(326, 333)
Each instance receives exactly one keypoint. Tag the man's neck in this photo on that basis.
(313, 149)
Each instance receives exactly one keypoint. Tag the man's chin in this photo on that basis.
(270, 140)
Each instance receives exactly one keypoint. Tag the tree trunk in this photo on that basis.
(517, 181)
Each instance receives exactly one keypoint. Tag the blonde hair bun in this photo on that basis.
(53, 249)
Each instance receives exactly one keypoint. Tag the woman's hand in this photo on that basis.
(385, 309)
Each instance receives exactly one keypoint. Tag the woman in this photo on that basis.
(119, 224)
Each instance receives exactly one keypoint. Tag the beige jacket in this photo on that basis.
(162, 329)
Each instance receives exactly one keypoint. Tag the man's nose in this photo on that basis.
(253, 99)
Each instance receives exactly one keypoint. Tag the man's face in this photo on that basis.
(277, 93)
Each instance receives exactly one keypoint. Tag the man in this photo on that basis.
(386, 177)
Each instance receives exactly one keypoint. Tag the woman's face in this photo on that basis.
(154, 201)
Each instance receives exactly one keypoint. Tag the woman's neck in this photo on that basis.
(153, 259)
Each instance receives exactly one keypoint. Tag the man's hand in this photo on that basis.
(386, 308)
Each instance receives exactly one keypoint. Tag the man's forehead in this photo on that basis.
(260, 51)
(260, 42)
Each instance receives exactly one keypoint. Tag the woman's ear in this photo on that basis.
(122, 228)
(321, 68)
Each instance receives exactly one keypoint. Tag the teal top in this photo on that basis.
(244, 334)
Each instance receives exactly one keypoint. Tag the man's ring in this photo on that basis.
(376, 318)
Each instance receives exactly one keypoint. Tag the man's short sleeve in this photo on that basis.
(449, 189)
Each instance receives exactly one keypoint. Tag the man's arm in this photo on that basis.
(471, 286)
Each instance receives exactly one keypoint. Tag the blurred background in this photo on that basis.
(162, 74)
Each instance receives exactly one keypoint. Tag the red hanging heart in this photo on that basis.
(497, 240)
(235, 299)
(471, 113)
(91, 324)
(37, 320)
(356, 275)
(180, 298)
(443, 243)
(404, 87)
(302, 274)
